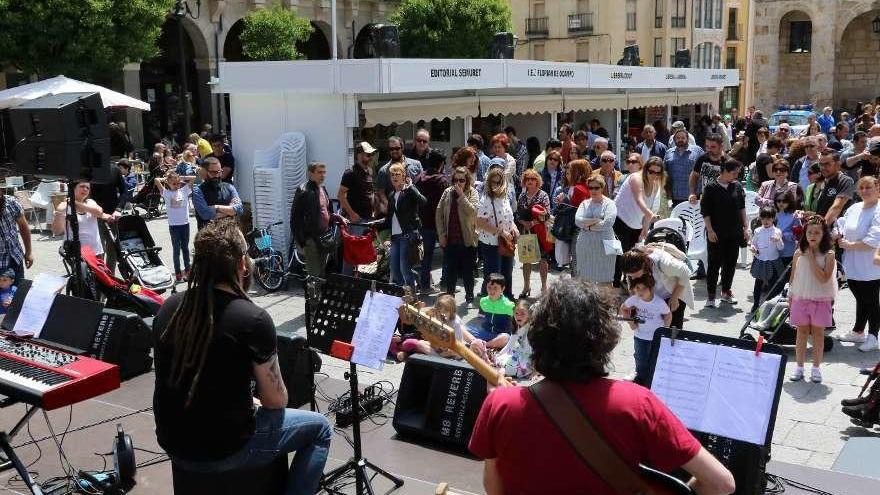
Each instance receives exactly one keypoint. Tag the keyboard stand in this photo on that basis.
(12, 459)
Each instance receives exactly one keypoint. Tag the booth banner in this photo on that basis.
(419, 75)
(304, 76)
(536, 74)
(624, 76)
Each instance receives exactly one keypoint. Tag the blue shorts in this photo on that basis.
(485, 335)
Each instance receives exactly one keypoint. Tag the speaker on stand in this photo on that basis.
(683, 58)
(377, 41)
(503, 45)
(630, 56)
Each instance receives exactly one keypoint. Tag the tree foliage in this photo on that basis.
(449, 28)
(86, 39)
(272, 33)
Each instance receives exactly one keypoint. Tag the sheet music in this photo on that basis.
(717, 389)
(374, 329)
(34, 310)
(50, 282)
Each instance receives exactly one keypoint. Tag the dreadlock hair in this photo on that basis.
(219, 247)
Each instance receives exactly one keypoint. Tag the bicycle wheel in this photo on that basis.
(269, 271)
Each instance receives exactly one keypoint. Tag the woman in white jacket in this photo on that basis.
(671, 274)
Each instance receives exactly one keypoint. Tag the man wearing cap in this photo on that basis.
(12, 225)
(676, 126)
(356, 192)
(826, 120)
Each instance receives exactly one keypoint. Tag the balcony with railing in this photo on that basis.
(580, 23)
(734, 32)
(537, 26)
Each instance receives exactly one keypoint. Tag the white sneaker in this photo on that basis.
(798, 374)
(728, 298)
(870, 344)
(711, 303)
(857, 337)
(815, 374)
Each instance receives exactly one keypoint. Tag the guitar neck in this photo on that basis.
(478, 363)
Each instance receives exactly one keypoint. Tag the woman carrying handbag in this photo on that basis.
(497, 230)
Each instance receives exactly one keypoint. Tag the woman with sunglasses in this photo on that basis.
(403, 221)
(634, 217)
(768, 191)
(532, 195)
(457, 230)
(494, 219)
(607, 173)
(596, 217)
(655, 179)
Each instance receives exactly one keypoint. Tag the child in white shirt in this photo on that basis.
(652, 312)
(767, 246)
(175, 192)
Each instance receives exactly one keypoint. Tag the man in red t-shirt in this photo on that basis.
(524, 451)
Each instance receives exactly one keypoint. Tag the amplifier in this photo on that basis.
(124, 339)
(439, 400)
(298, 364)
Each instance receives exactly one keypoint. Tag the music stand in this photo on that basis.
(332, 309)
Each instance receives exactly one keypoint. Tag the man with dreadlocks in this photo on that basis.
(211, 343)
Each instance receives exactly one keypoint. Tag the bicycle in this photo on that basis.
(269, 268)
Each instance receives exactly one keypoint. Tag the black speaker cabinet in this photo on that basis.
(630, 56)
(64, 117)
(377, 41)
(439, 400)
(683, 58)
(298, 365)
(124, 339)
(502, 45)
(88, 160)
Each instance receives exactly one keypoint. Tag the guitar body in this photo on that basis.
(662, 483)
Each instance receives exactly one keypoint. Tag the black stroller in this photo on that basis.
(138, 255)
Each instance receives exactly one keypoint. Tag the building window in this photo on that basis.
(631, 15)
(583, 52)
(658, 52)
(800, 37)
(698, 17)
(538, 51)
(704, 55)
(539, 10)
(719, 7)
(729, 98)
(679, 13)
(717, 57)
(677, 44)
(658, 13)
(731, 58)
(708, 8)
(583, 6)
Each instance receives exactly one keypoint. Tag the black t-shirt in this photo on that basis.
(841, 185)
(220, 419)
(723, 206)
(226, 160)
(709, 169)
(107, 194)
(359, 183)
(434, 159)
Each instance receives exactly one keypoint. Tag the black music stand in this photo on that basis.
(10, 455)
(332, 308)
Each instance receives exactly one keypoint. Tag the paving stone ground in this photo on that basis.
(810, 429)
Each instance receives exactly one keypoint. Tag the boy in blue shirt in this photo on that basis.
(7, 290)
(497, 312)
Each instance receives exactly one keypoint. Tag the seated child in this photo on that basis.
(7, 290)
(654, 313)
(516, 357)
(444, 309)
(497, 314)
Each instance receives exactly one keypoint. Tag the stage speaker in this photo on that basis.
(683, 58)
(630, 56)
(377, 41)
(503, 45)
(298, 363)
(124, 339)
(438, 401)
(61, 136)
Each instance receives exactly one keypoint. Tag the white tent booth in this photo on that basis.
(329, 100)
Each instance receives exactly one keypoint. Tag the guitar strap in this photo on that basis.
(574, 425)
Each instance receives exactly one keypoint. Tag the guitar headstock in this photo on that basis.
(433, 329)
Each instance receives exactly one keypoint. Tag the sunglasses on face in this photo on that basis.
(608, 160)
(629, 161)
(595, 188)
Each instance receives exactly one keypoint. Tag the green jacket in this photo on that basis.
(467, 205)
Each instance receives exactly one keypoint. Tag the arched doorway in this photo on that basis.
(232, 50)
(856, 71)
(316, 47)
(160, 86)
(795, 58)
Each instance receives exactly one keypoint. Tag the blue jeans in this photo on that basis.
(429, 241)
(179, 243)
(495, 263)
(401, 272)
(642, 354)
(279, 432)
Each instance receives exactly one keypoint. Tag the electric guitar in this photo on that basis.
(441, 335)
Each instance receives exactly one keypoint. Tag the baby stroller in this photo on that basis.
(771, 317)
(675, 232)
(100, 281)
(138, 255)
(148, 199)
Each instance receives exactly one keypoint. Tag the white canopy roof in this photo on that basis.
(60, 85)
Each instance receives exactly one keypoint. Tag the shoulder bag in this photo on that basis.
(506, 247)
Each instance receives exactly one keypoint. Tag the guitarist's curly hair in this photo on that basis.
(573, 331)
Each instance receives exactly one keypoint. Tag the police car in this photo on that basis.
(795, 115)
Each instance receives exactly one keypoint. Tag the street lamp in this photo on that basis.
(180, 11)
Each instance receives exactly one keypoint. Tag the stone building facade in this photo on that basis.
(819, 52)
